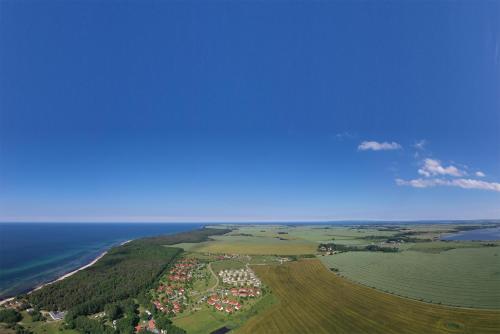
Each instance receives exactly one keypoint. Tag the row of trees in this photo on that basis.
(346, 248)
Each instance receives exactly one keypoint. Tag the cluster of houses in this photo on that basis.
(150, 326)
(168, 306)
(245, 292)
(171, 296)
(182, 270)
(227, 256)
(328, 250)
(16, 304)
(239, 277)
(223, 304)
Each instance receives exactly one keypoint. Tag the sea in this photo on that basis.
(32, 254)
(485, 234)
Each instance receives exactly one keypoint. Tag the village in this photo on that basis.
(185, 288)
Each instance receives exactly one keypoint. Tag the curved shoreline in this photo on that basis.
(66, 275)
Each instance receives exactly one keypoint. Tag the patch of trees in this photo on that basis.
(10, 316)
(36, 315)
(163, 322)
(89, 326)
(113, 311)
(346, 248)
(242, 235)
(376, 248)
(21, 330)
(407, 237)
(398, 237)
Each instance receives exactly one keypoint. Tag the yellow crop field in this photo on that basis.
(314, 300)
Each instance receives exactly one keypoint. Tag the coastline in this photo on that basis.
(71, 273)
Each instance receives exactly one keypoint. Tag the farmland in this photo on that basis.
(456, 273)
(313, 300)
(254, 245)
(462, 277)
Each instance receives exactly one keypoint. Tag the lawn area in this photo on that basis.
(200, 322)
(227, 264)
(466, 277)
(201, 285)
(313, 300)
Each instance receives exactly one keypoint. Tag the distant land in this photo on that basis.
(203, 278)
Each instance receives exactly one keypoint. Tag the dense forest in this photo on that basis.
(199, 235)
(124, 272)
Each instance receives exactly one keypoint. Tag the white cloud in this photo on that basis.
(417, 183)
(344, 135)
(480, 174)
(433, 167)
(461, 183)
(420, 145)
(376, 146)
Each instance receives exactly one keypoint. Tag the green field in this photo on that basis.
(463, 276)
(282, 240)
(227, 264)
(254, 245)
(313, 300)
(201, 285)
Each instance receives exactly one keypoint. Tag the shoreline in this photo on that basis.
(66, 275)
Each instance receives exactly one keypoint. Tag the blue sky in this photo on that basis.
(243, 111)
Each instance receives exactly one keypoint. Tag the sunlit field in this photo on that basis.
(314, 300)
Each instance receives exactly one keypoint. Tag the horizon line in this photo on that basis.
(270, 221)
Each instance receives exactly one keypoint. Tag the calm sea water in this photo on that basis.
(486, 234)
(35, 253)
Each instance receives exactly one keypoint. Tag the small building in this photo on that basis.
(56, 315)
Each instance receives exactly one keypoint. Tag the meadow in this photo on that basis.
(467, 277)
(49, 327)
(227, 264)
(311, 299)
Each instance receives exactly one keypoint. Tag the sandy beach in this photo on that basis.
(77, 270)
(66, 275)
